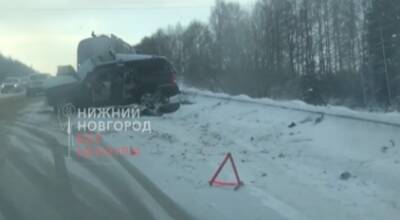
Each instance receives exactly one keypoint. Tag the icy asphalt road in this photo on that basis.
(38, 182)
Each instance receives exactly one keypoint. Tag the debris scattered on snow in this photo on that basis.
(384, 149)
(345, 175)
(307, 119)
(320, 119)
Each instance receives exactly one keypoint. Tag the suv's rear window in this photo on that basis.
(151, 66)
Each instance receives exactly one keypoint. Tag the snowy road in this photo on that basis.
(37, 181)
(290, 172)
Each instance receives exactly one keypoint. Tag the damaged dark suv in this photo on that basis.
(115, 79)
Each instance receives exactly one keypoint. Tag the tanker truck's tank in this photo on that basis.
(102, 45)
(99, 49)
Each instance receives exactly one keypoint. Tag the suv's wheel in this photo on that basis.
(152, 103)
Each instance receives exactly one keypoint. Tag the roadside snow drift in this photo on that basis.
(295, 165)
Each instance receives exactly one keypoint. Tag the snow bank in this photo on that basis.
(391, 117)
(290, 172)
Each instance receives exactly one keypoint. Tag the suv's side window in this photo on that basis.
(100, 86)
(130, 83)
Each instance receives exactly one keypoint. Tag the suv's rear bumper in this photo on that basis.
(169, 89)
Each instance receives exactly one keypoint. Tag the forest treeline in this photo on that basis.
(11, 67)
(342, 52)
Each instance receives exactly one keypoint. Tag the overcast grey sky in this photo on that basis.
(45, 33)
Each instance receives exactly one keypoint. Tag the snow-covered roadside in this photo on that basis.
(390, 117)
(290, 172)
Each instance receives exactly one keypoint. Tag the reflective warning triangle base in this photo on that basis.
(214, 182)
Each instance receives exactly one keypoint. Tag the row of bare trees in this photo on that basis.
(321, 51)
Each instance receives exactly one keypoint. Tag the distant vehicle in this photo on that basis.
(24, 81)
(35, 84)
(11, 85)
(116, 76)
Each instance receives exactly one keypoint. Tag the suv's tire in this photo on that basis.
(157, 104)
(151, 103)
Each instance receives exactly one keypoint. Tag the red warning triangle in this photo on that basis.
(214, 182)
